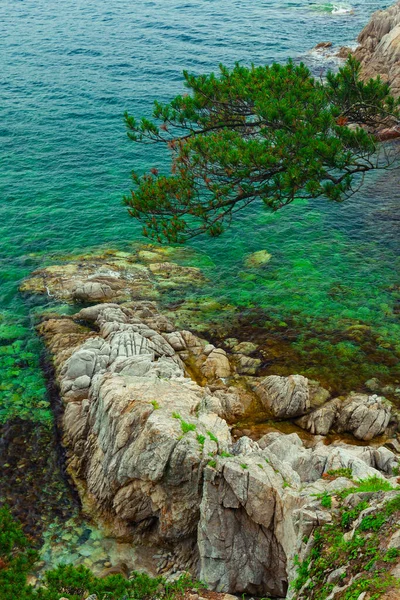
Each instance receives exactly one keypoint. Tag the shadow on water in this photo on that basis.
(33, 480)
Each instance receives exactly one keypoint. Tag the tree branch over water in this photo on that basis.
(269, 133)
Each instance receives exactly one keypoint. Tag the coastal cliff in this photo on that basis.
(379, 47)
(148, 417)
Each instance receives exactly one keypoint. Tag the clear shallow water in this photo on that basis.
(68, 72)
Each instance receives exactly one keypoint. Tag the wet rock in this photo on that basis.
(246, 365)
(321, 420)
(110, 278)
(323, 45)
(217, 365)
(246, 348)
(373, 385)
(344, 52)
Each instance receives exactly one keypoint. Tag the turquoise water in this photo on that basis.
(68, 72)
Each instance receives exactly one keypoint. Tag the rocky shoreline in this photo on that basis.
(379, 47)
(150, 428)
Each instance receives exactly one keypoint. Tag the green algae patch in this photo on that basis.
(22, 385)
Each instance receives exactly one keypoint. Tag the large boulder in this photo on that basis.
(365, 416)
(288, 397)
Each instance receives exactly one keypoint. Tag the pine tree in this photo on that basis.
(267, 133)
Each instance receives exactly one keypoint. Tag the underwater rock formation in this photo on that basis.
(112, 277)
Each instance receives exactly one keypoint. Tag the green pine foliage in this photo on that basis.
(270, 134)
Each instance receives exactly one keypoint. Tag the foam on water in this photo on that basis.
(336, 9)
(342, 9)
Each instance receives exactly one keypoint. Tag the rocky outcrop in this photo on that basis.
(151, 453)
(145, 423)
(379, 47)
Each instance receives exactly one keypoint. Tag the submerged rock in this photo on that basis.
(111, 277)
(258, 259)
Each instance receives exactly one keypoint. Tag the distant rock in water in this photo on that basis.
(379, 47)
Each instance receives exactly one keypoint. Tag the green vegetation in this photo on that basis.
(17, 559)
(244, 466)
(267, 133)
(334, 473)
(212, 463)
(371, 484)
(348, 516)
(185, 426)
(326, 500)
(363, 554)
(201, 439)
(155, 404)
(212, 437)
(225, 454)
